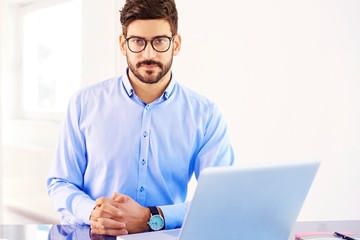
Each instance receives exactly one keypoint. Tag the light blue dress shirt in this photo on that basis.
(112, 141)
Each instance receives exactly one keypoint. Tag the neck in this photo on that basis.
(146, 91)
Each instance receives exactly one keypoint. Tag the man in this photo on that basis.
(129, 145)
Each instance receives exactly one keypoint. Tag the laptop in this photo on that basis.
(249, 202)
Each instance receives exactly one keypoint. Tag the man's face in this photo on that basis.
(149, 66)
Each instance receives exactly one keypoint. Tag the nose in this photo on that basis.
(149, 52)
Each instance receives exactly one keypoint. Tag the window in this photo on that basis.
(51, 57)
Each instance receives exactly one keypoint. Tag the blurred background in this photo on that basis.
(285, 74)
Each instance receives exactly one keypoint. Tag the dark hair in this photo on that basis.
(149, 9)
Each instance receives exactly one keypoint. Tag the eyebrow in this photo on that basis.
(131, 36)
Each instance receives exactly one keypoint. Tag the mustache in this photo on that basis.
(149, 62)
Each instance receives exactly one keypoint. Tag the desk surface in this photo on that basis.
(48, 232)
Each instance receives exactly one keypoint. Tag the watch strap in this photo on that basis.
(154, 211)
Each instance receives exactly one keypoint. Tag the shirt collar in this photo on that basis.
(130, 91)
(128, 87)
(170, 88)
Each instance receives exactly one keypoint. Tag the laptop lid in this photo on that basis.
(248, 202)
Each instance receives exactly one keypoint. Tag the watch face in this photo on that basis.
(156, 222)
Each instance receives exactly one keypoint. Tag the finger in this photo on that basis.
(107, 223)
(110, 209)
(102, 200)
(111, 232)
(115, 194)
(99, 213)
(119, 197)
(110, 201)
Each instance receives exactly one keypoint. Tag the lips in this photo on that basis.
(149, 66)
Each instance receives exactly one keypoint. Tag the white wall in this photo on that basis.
(284, 73)
(101, 28)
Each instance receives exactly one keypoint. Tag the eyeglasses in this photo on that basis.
(159, 44)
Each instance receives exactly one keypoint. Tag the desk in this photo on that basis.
(62, 232)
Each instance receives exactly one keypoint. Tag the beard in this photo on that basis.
(150, 77)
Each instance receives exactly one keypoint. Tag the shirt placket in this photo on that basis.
(144, 152)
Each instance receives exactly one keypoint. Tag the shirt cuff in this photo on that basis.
(174, 215)
(83, 212)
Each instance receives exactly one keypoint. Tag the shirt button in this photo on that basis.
(147, 107)
(143, 162)
(145, 134)
(142, 189)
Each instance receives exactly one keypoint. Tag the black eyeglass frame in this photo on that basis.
(152, 43)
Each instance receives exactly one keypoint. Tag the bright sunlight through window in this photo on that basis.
(51, 57)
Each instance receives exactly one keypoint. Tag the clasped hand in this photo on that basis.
(118, 215)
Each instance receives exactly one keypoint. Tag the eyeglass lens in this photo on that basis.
(160, 44)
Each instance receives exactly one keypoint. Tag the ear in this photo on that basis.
(177, 44)
(122, 43)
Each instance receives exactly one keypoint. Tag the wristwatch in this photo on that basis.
(156, 221)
